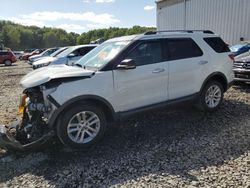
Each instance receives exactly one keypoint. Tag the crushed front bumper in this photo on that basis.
(9, 142)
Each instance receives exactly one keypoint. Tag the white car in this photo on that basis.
(69, 56)
(124, 76)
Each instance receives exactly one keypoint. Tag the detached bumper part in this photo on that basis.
(8, 141)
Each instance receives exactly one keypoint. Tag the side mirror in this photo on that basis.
(71, 55)
(126, 64)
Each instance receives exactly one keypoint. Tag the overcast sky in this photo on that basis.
(80, 15)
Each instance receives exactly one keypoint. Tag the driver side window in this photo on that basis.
(147, 52)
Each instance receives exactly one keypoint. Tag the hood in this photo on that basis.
(44, 60)
(45, 74)
(35, 56)
(243, 59)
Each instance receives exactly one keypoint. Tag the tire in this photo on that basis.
(73, 129)
(211, 96)
(7, 63)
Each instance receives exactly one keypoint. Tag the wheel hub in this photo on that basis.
(83, 127)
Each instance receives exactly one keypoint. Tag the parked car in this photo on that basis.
(18, 54)
(50, 58)
(242, 68)
(60, 50)
(243, 55)
(69, 56)
(27, 55)
(121, 77)
(29, 50)
(240, 48)
(46, 53)
(7, 58)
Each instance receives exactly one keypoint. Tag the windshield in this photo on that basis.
(102, 54)
(57, 52)
(67, 52)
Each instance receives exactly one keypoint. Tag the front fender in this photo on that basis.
(61, 108)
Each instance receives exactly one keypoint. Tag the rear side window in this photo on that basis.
(217, 44)
(182, 49)
(147, 52)
(3, 53)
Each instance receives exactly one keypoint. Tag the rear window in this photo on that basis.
(217, 44)
(182, 49)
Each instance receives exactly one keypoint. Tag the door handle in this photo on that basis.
(158, 70)
(203, 62)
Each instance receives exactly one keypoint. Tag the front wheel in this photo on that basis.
(82, 126)
(211, 96)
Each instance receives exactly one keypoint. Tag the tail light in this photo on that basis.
(231, 56)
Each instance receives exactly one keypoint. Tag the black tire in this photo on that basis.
(202, 105)
(62, 125)
(7, 62)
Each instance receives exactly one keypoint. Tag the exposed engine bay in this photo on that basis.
(33, 130)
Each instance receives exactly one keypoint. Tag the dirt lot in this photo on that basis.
(171, 148)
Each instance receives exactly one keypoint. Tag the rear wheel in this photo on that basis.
(211, 96)
(7, 63)
(82, 126)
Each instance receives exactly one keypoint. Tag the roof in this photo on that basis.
(161, 34)
(124, 38)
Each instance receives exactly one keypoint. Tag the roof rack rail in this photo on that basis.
(183, 31)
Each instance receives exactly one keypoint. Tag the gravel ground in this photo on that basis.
(164, 148)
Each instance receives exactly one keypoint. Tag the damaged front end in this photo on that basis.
(32, 132)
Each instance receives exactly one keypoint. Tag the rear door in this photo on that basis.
(186, 66)
(147, 83)
(3, 56)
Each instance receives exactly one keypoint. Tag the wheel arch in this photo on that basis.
(7, 60)
(217, 76)
(96, 100)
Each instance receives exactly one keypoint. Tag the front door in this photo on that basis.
(147, 83)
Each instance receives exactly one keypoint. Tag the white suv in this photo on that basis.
(124, 76)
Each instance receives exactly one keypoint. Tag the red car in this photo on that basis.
(7, 58)
(27, 55)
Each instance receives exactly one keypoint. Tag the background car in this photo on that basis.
(242, 68)
(18, 54)
(27, 55)
(7, 58)
(69, 56)
(243, 55)
(46, 53)
(240, 48)
(60, 50)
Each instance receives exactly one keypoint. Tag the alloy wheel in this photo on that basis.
(213, 96)
(83, 127)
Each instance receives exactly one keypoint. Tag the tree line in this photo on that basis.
(19, 37)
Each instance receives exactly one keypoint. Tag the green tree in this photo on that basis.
(19, 37)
